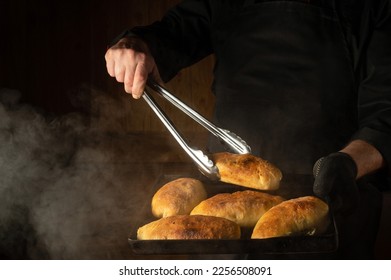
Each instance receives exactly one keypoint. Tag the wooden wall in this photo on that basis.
(52, 51)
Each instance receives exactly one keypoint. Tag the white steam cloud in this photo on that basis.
(61, 190)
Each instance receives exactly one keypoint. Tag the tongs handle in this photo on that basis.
(205, 165)
(234, 142)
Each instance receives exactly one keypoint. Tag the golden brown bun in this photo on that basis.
(300, 216)
(247, 171)
(189, 227)
(178, 197)
(242, 207)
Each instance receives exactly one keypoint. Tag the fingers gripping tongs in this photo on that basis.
(204, 164)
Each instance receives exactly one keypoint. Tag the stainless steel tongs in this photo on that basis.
(204, 164)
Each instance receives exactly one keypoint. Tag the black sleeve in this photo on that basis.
(180, 39)
(375, 89)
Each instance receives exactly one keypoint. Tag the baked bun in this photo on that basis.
(178, 197)
(306, 215)
(189, 227)
(242, 207)
(247, 171)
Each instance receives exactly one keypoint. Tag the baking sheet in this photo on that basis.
(292, 186)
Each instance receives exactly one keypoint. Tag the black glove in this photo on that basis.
(335, 181)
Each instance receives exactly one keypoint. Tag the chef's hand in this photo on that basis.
(130, 62)
(335, 179)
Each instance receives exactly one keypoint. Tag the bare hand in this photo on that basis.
(130, 62)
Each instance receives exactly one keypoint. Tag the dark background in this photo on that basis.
(52, 50)
(52, 55)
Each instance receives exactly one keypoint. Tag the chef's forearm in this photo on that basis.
(180, 39)
(368, 159)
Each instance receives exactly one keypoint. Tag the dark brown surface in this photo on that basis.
(383, 244)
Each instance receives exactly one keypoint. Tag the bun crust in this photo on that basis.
(189, 227)
(242, 207)
(306, 215)
(178, 197)
(247, 170)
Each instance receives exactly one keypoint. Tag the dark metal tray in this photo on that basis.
(291, 186)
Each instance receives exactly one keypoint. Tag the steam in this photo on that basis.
(59, 184)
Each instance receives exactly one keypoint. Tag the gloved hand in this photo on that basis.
(335, 181)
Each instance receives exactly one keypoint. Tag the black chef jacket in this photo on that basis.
(296, 79)
(195, 29)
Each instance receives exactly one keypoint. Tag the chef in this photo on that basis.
(307, 83)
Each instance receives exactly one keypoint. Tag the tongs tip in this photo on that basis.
(205, 165)
(235, 143)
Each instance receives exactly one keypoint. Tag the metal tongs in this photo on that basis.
(204, 164)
